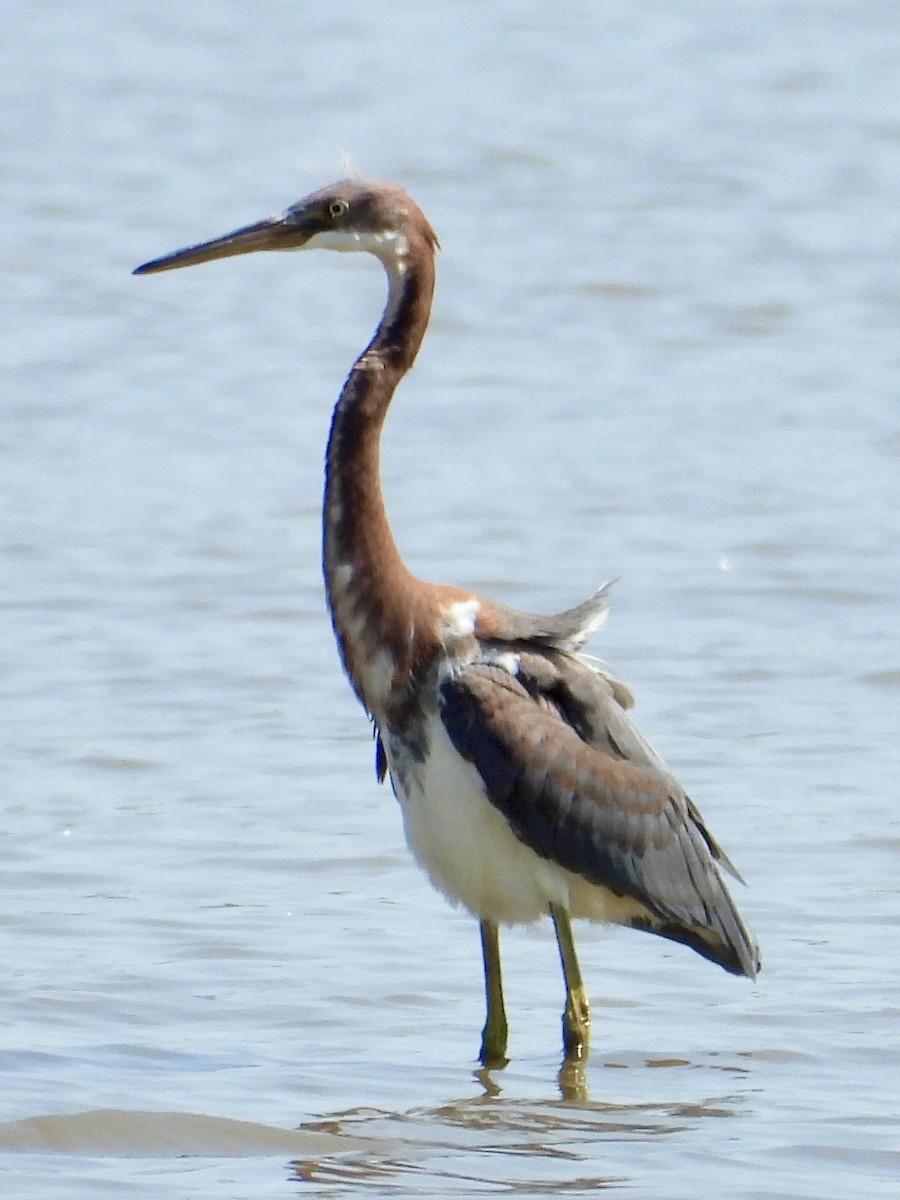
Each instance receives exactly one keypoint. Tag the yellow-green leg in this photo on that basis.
(496, 1031)
(576, 1020)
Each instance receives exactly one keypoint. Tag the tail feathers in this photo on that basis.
(726, 940)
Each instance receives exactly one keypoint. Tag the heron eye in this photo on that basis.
(337, 208)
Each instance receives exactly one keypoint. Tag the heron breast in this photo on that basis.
(463, 843)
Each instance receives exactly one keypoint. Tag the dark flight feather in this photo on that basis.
(580, 786)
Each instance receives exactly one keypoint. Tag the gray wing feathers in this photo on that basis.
(577, 783)
(603, 700)
(565, 630)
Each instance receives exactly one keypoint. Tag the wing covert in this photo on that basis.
(575, 798)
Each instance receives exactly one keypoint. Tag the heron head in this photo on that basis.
(352, 215)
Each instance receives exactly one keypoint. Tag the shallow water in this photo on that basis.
(664, 350)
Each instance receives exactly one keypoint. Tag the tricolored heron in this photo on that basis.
(525, 789)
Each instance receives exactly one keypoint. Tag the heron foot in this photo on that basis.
(494, 1038)
(576, 1023)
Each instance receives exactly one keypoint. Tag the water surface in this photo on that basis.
(664, 350)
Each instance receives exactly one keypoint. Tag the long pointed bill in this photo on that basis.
(275, 233)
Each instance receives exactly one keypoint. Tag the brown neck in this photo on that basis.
(365, 576)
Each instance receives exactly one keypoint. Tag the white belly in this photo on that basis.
(468, 850)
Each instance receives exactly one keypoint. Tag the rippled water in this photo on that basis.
(664, 350)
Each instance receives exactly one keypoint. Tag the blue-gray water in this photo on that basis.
(665, 349)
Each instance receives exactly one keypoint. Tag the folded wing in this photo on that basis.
(578, 784)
